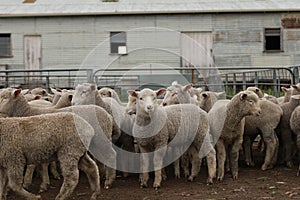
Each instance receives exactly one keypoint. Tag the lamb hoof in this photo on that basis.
(210, 181)
(42, 190)
(143, 185)
(264, 167)
(56, 177)
(290, 164)
(95, 195)
(156, 186)
(191, 179)
(186, 175)
(38, 197)
(107, 186)
(26, 187)
(235, 176)
(177, 176)
(220, 178)
(164, 177)
(250, 164)
(125, 174)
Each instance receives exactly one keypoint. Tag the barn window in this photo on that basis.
(118, 42)
(5, 45)
(273, 39)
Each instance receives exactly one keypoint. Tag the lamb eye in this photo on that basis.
(141, 98)
(251, 101)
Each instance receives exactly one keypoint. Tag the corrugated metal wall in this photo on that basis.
(75, 41)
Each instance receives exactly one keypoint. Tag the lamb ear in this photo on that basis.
(70, 97)
(295, 87)
(175, 83)
(17, 92)
(109, 93)
(243, 96)
(37, 97)
(187, 87)
(132, 93)
(24, 91)
(160, 91)
(284, 89)
(204, 95)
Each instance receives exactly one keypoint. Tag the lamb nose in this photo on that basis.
(164, 104)
(149, 107)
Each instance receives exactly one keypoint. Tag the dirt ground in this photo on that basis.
(277, 183)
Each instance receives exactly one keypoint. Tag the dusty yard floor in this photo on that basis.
(277, 183)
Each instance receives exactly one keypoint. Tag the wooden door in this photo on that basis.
(196, 50)
(32, 52)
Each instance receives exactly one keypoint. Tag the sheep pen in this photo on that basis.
(277, 183)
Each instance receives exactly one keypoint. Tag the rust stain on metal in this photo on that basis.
(291, 22)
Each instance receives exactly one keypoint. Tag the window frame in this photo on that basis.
(9, 55)
(265, 35)
(112, 49)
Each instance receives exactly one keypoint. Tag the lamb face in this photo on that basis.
(251, 105)
(177, 94)
(131, 105)
(146, 99)
(84, 94)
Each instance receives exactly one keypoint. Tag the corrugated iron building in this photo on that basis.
(134, 33)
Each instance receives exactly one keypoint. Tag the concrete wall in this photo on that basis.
(71, 42)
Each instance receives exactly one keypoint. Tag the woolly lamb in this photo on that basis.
(284, 131)
(177, 94)
(295, 126)
(207, 99)
(14, 104)
(108, 92)
(264, 124)
(287, 95)
(122, 134)
(87, 94)
(156, 126)
(40, 103)
(296, 89)
(227, 122)
(61, 136)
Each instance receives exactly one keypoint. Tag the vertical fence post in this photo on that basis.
(47, 82)
(296, 74)
(89, 75)
(6, 75)
(255, 79)
(244, 81)
(226, 84)
(234, 83)
(275, 83)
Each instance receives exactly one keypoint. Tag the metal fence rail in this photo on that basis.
(63, 78)
(228, 79)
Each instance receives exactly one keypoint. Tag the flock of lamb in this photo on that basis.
(79, 129)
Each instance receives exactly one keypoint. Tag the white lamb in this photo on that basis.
(30, 140)
(157, 128)
(227, 120)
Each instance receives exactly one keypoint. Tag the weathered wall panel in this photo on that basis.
(73, 41)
